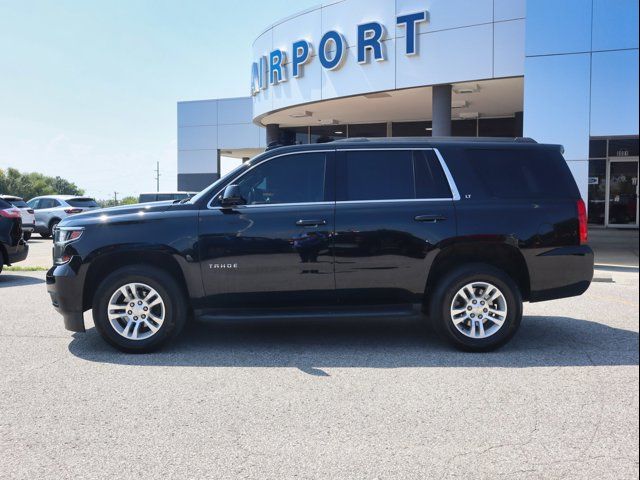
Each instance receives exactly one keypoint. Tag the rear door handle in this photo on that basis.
(430, 218)
(310, 223)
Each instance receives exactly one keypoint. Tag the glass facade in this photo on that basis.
(613, 182)
(483, 127)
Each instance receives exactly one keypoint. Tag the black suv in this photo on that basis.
(463, 231)
(13, 248)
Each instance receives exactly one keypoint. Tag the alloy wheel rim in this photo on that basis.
(136, 311)
(478, 310)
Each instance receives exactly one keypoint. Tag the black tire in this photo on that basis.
(163, 283)
(52, 225)
(26, 236)
(441, 300)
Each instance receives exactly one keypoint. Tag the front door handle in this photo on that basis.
(310, 223)
(430, 218)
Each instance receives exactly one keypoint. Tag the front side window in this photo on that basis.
(296, 178)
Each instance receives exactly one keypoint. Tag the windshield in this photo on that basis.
(219, 182)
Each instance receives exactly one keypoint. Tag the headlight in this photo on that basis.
(64, 235)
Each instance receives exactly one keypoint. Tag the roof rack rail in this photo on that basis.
(437, 139)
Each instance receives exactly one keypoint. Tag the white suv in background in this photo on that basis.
(51, 209)
(26, 213)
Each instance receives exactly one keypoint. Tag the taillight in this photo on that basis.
(10, 213)
(582, 221)
(72, 210)
(30, 210)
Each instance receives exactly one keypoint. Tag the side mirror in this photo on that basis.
(231, 197)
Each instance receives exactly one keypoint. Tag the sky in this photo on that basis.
(88, 89)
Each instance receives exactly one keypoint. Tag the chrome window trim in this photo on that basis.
(392, 200)
(447, 173)
(209, 207)
(298, 204)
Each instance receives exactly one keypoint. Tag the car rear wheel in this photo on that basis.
(139, 308)
(476, 307)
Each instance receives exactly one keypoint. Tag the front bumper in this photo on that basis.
(560, 272)
(65, 288)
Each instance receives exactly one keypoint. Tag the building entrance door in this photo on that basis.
(622, 192)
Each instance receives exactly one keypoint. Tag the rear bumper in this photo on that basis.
(65, 286)
(28, 227)
(560, 272)
(17, 254)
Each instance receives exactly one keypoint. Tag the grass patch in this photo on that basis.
(16, 268)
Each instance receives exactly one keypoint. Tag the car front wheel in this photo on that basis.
(476, 307)
(139, 308)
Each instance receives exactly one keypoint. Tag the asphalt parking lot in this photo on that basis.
(323, 399)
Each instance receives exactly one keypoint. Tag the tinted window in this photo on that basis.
(147, 197)
(48, 203)
(430, 179)
(19, 203)
(523, 173)
(82, 202)
(378, 175)
(4, 204)
(289, 179)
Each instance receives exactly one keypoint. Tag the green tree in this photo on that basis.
(29, 185)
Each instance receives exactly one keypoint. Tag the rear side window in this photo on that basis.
(379, 175)
(430, 179)
(4, 204)
(82, 202)
(19, 203)
(523, 173)
(48, 203)
(392, 175)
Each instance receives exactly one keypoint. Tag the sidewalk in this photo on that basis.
(616, 248)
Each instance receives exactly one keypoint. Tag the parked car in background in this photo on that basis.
(13, 248)
(26, 212)
(462, 230)
(50, 209)
(163, 196)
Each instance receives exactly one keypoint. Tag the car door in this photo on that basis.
(394, 208)
(275, 250)
(35, 205)
(46, 211)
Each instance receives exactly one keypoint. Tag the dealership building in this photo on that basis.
(559, 71)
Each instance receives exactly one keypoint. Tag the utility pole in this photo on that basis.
(157, 176)
(115, 198)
